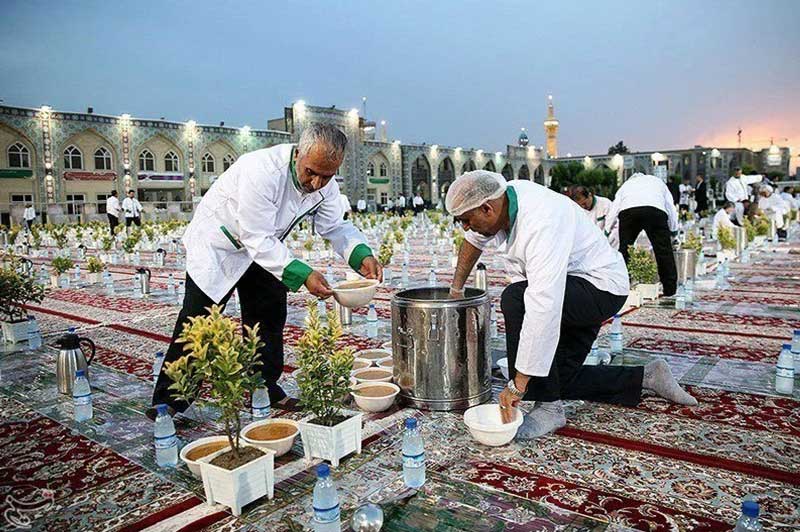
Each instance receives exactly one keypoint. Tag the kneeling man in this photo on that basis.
(568, 280)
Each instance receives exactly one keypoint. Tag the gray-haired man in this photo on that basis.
(236, 241)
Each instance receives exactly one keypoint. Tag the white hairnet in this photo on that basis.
(767, 188)
(472, 190)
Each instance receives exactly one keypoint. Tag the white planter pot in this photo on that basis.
(97, 277)
(53, 281)
(634, 298)
(647, 291)
(15, 332)
(729, 254)
(241, 486)
(332, 443)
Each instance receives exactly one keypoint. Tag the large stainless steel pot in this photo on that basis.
(441, 346)
(686, 262)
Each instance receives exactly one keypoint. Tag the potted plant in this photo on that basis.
(761, 225)
(385, 256)
(60, 266)
(219, 357)
(643, 272)
(328, 431)
(727, 242)
(308, 246)
(95, 266)
(16, 290)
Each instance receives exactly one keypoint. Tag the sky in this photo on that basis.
(658, 75)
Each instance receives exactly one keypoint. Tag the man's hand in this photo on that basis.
(456, 293)
(507, 403)
(371, 269)
(318, 286)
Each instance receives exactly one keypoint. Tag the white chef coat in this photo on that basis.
(257, 203)
(774, 208)
(642, 190)
(789, 200)
(738, 189)
(684, 190)
(361, 205)
(345, 203)
(549, 239)
(721, 219)
(132, 207)
(418, 201)
(598, 214)
(401, 202)
(389, 205)
(29, 214)
(112, 206)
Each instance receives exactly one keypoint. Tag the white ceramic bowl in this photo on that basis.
(486, 425)
(359, 375)
(354, 294)
(375, 356)
(374, 404)
(387, 346)
(361, 363)
(503, 363)
(386, 364)
(194, 465)
(280, 446)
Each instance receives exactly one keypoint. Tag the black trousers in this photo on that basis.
(655, 223)
(263, 300)
(584, 310)
(28, 224)
(113, 222)
(133, 219)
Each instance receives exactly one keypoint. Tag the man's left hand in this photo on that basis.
(371, 269)
(507, 402)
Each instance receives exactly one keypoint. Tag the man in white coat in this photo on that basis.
(567, 280)
(29, 215)
(644, 203)
(133, 210)
(774, 207)
(737, 189)
(723, 219)
(113, 209)
(236, 241)
(400, 204)
(345, 205)
(418, 203)
(596, 207)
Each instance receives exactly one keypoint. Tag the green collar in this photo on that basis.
(293, 171)
(512, 207)
(594, 202)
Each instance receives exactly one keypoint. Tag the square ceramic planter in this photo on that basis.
(634, 298)
(332, 443)
(241, 486)
(15, 332)
(97, 277)
(647, 291)
(728, 254)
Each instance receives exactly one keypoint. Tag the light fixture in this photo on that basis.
(658, 157)
(617, 161)
(715, 154)
(191, 124)
(46, 109)
(383, 122)
(245, 130)
(48, 165)
(354, 111)
(397, 141)
(498, 153)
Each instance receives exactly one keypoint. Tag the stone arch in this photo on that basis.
(9, 136)
(88, 141)
(445, 175)
(159, 145)
(490, 166)
(379, 185)
(421, 177)
(538, 175)
(218, 149)
(468, 166)
(508, 172)
(524, 172)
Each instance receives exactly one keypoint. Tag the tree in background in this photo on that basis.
(602, 181)
(619, 147)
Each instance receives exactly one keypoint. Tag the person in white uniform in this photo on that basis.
(113, 209)
(644, 203)
(773, 207)
(400, 204)
(685, 191)
(737, 189)
(236, 241)
(723, 218)
(133, 210)
(418, 203)
(361, 205)
(346, 207)
(566, 281)
(29, 215)
(596, 207)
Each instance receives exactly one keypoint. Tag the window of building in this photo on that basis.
(102, 159)
(18, 156)
(75, 203)
(73, 158)
(371, 194)
(171, 162)
(147, 162)
(384, 198)
(22, 198)
(384, 171)
(208, 163)
(101, 203)
(370, 169)
(227, 161)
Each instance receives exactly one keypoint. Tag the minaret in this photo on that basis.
(551, 129)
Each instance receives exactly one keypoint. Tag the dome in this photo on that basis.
(523, 138)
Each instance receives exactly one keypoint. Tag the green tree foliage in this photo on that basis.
(619, 147)
(602, 181)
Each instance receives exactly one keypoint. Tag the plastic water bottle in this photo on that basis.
(157, 363)
(689, 291)
(166, 442)
(435, 261)
(322, 309)
(796, 351)
(82, 396)
(616, 335)
(181, 291)
(680, 298)
(404, 278)
(171, 285)
(492, 321)
(748, 520)
(432, 278)
(413, 455)
(372, 321)
(109, 284)
(326, 502)
(593, 358)
(76, 272)
(329, 274)
(260, 403)
(137, 258)
(34, 334)
(43, 276)
(784, 372)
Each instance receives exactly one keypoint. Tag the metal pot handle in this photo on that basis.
(433, 332)
(87, 341)
(405, 333)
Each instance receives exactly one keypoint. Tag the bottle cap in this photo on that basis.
(161, 409)
(323, 471)
(797, 331)
(159, 353)
(411, 423)
(80, 372)
(750, 508)
(787, 346)
(31, 318)
(71, 330)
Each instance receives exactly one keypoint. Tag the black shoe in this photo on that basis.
(276, 394)
(152, 412)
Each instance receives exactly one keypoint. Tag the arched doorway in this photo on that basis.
(538, 175)
(446, 173)
(468, 166)
(524, 173)
(508, 172)
(490, 166)
(421, 177)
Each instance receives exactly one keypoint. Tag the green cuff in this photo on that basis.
(295, 274)
(360, 252)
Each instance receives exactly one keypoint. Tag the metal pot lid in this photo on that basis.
(438, 294)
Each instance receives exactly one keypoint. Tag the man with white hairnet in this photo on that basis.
(737, 190)
(774, 208)
(567, 280)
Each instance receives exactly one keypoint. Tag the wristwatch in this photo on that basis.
(513, 389)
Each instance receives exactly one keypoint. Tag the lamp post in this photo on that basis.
(191, 131)
(49, 182)
(125, 126)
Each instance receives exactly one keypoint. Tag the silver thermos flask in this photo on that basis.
(480, 277)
